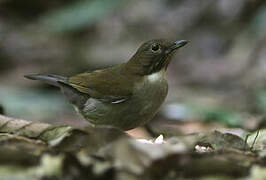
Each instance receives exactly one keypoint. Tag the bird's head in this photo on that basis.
(153, 56)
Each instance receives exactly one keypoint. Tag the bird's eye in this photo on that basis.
(155, 47)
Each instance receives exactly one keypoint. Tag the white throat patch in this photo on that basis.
(156, 76)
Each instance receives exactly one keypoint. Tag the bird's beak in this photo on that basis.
(177, 45)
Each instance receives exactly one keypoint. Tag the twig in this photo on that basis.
(257, 134)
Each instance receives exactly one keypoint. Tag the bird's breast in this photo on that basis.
(151, 92)
(153, 84)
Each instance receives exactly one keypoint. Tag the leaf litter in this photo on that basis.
(42, 151)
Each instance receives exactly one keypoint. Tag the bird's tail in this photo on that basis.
(48, 78)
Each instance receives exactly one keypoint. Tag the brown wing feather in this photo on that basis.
(110, 83)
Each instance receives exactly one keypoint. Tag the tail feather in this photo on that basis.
(48, 78)
(74, 96)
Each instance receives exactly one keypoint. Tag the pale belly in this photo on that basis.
(147, 97)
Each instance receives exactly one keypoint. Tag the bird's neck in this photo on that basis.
(135, 66)
(134, 70)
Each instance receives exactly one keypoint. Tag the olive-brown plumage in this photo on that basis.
(127, 95)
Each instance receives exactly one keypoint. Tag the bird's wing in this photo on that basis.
(108, 85)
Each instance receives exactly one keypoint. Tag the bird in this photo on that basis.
(125, 96)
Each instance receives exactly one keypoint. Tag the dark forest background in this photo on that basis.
(217, 80)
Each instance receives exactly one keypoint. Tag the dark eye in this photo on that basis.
(155, 47)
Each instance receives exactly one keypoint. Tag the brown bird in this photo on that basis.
(127, 95)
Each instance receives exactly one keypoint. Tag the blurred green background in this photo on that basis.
(219, 78)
